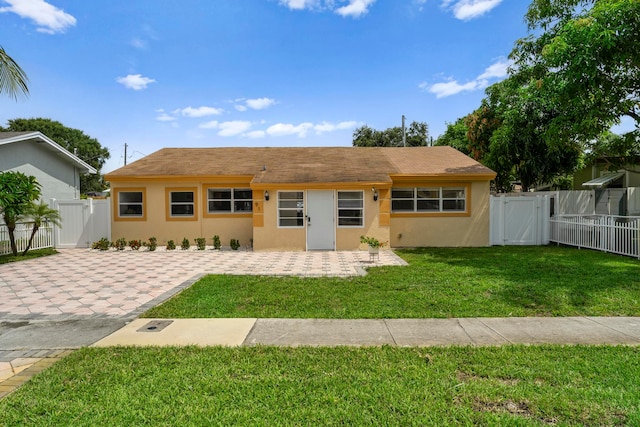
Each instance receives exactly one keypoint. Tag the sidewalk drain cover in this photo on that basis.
(155, 326)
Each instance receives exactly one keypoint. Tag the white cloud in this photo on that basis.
(135, 81)
(138, 43)
(201, 111)
(255, 134)
(470, 9)
(260, 103)
(209, 125)
(355, 8)
(47, 17)
(164, 117)
(233, 128)
(497, 70)
(241, 108)
(330, 127)
(284, 129)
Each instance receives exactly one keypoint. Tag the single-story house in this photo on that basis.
(293, 198)
(56, 169)
(600, 174)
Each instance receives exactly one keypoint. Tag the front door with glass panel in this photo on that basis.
(321, 229)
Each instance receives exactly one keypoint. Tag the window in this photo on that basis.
(130, 204)
(181, 203)
(428, 199)
(350, 209)
(290, 209)
(227, 200)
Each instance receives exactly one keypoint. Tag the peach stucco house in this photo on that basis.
(286, 198)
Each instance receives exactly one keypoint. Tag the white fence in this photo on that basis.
(83, 222)
(616, 234)
(520, 220)
(22, 233)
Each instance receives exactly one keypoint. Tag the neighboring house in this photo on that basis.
(32, 153)
(304, 198)
(601, 175)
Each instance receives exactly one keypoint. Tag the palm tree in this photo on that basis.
(13, 79)
(39, 213)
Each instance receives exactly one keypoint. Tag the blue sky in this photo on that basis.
(209, 73)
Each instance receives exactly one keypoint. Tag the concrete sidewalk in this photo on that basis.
(376, 332)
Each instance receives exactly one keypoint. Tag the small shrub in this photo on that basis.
(103, 244)
(235, 244)
(201, 243)
(120, 244)
(216, 242)
(171, 245)
(185, 245)
(135, 244)
(153, 244)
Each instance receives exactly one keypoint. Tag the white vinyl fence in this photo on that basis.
(616, 234)
(519, 220)
(22, 233)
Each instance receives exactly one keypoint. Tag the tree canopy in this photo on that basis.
(13, 79)
(417, 134)
(73, 140)
(585, 55)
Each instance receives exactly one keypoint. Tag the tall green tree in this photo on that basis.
(585, 55)
(417, 134)
(17, 193)
(73, 140)
(456, 136)
(13, 79)
(38, 213)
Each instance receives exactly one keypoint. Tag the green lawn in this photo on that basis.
(4, 259)
(389, 386)
(451, 282)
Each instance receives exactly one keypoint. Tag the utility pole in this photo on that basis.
(125, 154)
(404, 134)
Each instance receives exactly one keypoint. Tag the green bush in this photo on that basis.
(171, 245)
(235, 244)
(216, 242)
(201, 243)
(103, 244)
(185, 245)
(153, 244)
(120, 244)
(135, 244)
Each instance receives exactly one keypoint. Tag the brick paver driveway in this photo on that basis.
(81, 282)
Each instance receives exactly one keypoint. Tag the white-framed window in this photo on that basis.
(291, 209)
(429, 199)
(350, 209)
(181, 203)
(130, 204)
(229, 200)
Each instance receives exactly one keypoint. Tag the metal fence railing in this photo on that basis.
(608, 233)
(42, 239)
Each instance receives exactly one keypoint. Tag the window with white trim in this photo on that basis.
(229, 200)
(181, 203)
(350, 208)
(291, 209)
(429, 199)
(130, 204)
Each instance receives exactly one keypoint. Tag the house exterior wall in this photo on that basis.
(156, 224)
(470, 229)
(57, 177)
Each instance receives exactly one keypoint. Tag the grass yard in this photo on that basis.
(267, 386)
(438, 283)
(4, 259)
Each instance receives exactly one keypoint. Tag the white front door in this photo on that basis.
(321, 229)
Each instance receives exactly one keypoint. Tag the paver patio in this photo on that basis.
(82, 282)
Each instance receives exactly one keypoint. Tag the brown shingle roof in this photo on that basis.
(304, 165)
